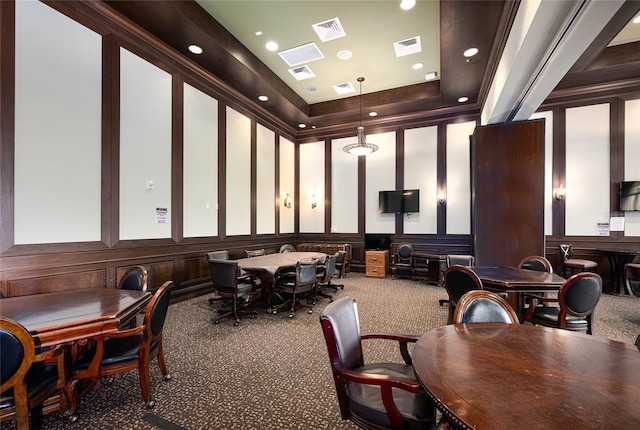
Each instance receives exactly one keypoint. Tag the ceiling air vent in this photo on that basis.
(407, 46)
(329, 30)
(344, 88)
(301, 54)
(301, 73)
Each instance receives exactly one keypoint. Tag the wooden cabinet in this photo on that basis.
(377, 264)
(328, 248)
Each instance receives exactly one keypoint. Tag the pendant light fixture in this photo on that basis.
(360, 146)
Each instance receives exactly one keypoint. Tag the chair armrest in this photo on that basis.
(533, 301)
(402, 339)
(49, 353)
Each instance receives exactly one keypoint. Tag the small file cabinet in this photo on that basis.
(377, 264)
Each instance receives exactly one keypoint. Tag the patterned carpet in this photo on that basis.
(273, 372)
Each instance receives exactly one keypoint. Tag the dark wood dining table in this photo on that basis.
(515, 376)
(515, 282)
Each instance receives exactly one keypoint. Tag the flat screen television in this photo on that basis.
(630, 196)
(377, 241)
(399, 201)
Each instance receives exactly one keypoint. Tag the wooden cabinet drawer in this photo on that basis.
(377, 264)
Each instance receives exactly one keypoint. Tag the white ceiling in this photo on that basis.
(371, 27)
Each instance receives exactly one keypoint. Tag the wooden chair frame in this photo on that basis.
(470, 297)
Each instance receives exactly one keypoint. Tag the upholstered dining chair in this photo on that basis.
(218, 255)
(457, 260)
(27, 378)
(570, 265)
(135, 278)
(537, 263)
(572, 309)
(484, 306)
(402, 260)
(341, 267)
(373, 395)
(324, 275)
(287, 247)
(457, 281)
(296, 288)
(225, 277)
(126, 350)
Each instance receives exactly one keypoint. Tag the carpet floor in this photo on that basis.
(273, 372)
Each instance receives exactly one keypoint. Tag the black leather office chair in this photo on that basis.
(296, 288)
(324, 275)
(572, 309)
(374, 395)
(484, 306)
(225, 277)
(27, 379)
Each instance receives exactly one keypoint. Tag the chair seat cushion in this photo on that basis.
(551, 313)
(585, 264)
(243, 290)
(116, 351)
(366, 400)
(39, 378)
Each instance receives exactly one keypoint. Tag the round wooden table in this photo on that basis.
(500, 376)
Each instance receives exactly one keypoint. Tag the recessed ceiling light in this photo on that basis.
(263, 98)
(470, 52)
(195, 49)
(345, 54)
(313, 126)
(373, 113)
(301, 125)
(418, 66)
(463, 99)
(258, 33)
(272, 46)
(430, 76)
(407, 4)
(636, 20)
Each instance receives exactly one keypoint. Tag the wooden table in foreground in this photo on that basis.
(514, 282)
(514, 376)
(72, 315)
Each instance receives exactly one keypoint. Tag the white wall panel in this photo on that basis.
(421, 172)
(312, 187)
(200, 161)
(380, 176)
(632, 159)
(238, 198)
(266, 182)
(587, 169)
(287, 185)
(145, 149)
(58, 102)
(344, 188)
(548, 169)
(458, 192)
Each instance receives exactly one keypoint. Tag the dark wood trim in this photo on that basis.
(399, 174)
(177, 158)
(222, 171)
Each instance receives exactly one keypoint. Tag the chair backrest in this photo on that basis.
(565, 250)
(287, 247)
(135, 278)
(218, 255)
(579, 295)
(341, 267)
(305, 275)
(18, 352)
(638, 341)
(404, 251)
(537, 263)
(156, 313)
(460, 260)
(255, 252)
(459, 280)
(328, 270)
(224, 275)
(484, 306)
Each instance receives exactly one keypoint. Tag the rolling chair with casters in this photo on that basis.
(298, 286)
(225, 278)
(254, 253)
(479, 306)
(458, 280)
(457, 260)
(287, 247)
(324, 274)
(126, 350)
(373, 395)
(572, 309)
(341, 267)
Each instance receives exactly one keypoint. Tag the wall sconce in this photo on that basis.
(441, 197)
(287, 201)
(561, 192)
(313, 202)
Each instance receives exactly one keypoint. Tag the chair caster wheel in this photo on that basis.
(216, 322)
(274, 312)
(290, 315)
(236, 324)
(310, 311)
(73, 419)
(151, 404)
(167, 377)
(252, 317)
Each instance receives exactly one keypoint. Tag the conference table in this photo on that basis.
(74, 316)
(514, 376)
(268, 267)
(515, 282)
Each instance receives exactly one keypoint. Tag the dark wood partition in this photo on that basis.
(507, 192)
